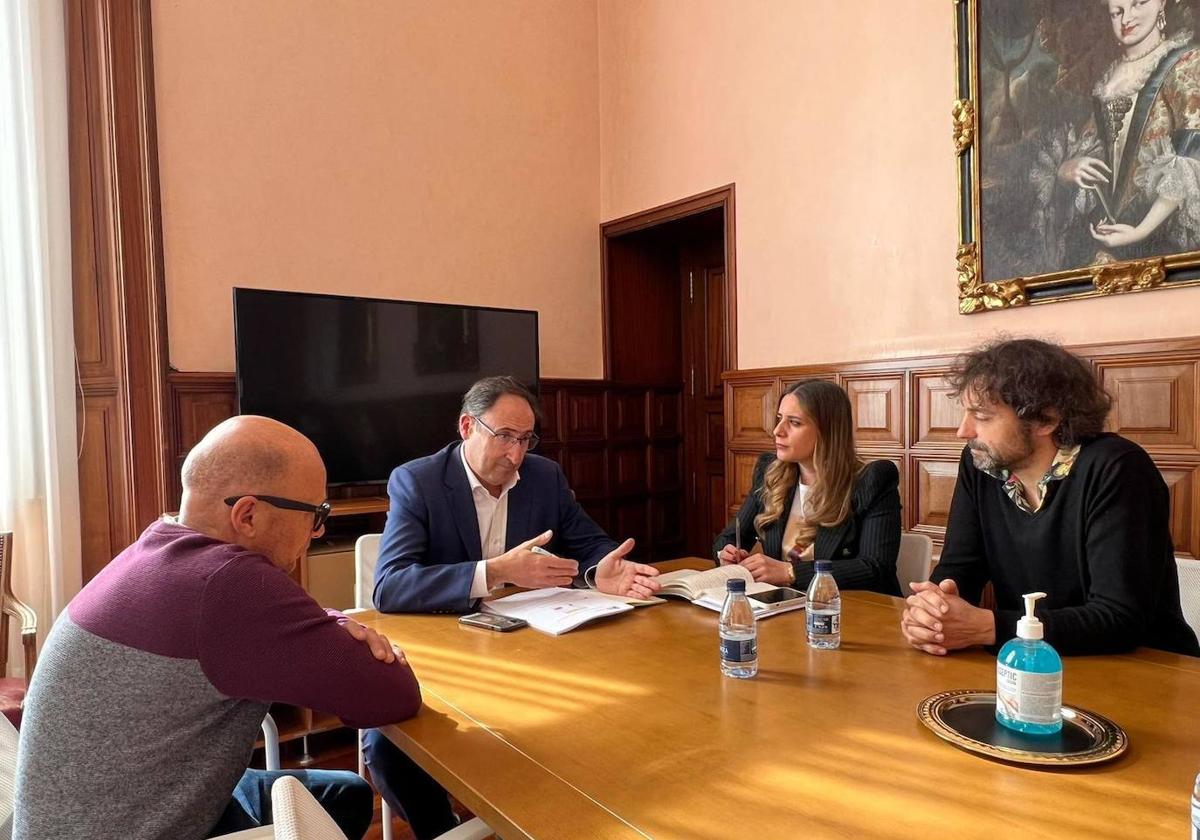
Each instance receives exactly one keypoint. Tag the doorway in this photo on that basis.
(669, 280)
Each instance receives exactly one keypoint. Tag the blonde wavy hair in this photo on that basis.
(836, 463)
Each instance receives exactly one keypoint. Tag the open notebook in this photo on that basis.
(707, 589)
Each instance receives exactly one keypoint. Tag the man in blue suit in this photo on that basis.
(464, 522)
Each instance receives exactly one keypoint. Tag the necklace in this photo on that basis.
(1130, 59)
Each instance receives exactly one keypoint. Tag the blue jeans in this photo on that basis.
(411, 791)
(346, 796)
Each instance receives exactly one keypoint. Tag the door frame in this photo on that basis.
(722, 197)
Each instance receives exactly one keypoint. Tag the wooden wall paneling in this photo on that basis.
(584, 415)
(666, 468)
(787, 382)
(740, 475)
(549, 399)
(665, 413)
(104, 518)
(666, 525)
(586, 468)
(750, 406)
(1154, 403)
(631, 518)
(1183, 485)
(198, 402)
(932, 489)
(877, 404)
(629, 470)
(120, 317)
(935, 416)
(627, 413)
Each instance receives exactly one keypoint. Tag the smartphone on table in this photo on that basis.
(491, 621)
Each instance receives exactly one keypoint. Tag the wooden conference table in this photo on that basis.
(626, 728)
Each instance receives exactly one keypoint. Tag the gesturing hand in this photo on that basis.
(618, 576)
(522, 566)
(380, 647)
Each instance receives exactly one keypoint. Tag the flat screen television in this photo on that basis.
(373, 383)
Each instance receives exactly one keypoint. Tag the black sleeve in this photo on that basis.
(751, 507)
(964, 559)
(877, 512)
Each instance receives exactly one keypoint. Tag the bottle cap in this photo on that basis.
(824, 565)
(735, 585)
(1030, 627)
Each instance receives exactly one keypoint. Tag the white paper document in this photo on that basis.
(557, 610)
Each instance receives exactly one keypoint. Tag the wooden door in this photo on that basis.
(705, 357)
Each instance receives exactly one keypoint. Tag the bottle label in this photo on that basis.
(1027, 697)
(739, 650)
(824, 624)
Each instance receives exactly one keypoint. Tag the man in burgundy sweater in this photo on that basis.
(153, 683)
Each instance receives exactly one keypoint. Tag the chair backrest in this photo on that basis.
(1189, 591)
(915, 561)
(297, 815)
(14, 608)
(366, 554)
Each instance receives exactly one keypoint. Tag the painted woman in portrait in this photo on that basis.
(1136, 169)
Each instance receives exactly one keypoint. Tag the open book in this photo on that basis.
(707, 589)
(557, 610)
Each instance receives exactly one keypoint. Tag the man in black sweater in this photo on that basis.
(1046, 501)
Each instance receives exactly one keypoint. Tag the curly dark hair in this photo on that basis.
(1040, 381)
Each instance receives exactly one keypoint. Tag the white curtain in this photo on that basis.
(39, 484)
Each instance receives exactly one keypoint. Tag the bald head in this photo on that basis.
(248, 454)
(251, 460)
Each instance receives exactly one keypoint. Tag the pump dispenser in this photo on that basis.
(1029, 678)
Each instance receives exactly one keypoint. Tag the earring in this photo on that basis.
(1162, 20)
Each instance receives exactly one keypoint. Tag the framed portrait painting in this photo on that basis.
(1077, 131)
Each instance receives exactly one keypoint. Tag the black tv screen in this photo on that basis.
(373, 383)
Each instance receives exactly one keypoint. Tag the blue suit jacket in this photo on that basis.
(430, 544)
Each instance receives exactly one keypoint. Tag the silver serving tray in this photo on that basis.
(967, 719)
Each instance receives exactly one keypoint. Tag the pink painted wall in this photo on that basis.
(832, 118)
(445, 151)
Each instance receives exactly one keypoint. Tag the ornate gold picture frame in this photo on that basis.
(1077, 133)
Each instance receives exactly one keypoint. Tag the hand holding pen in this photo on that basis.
(731, 554)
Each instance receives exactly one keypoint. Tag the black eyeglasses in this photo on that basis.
(320, 512)
(506, 440)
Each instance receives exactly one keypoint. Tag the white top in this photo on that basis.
(795, 519)
(492, 513)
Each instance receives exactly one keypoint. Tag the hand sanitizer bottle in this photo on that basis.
(1029, 679)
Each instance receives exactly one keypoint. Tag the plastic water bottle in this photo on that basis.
(824, 609)
(1196, 810)
(739, 633)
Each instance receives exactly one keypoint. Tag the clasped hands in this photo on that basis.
(760, 566)
(523, 566)
(938, 620)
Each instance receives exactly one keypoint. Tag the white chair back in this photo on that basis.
(366, 555)
(1189, 591)
(915, 561)
(298, 816)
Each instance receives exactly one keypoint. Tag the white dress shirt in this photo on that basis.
(492, 513)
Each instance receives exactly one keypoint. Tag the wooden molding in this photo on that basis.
(720, 197)
(1155, 385)
(117, 267)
